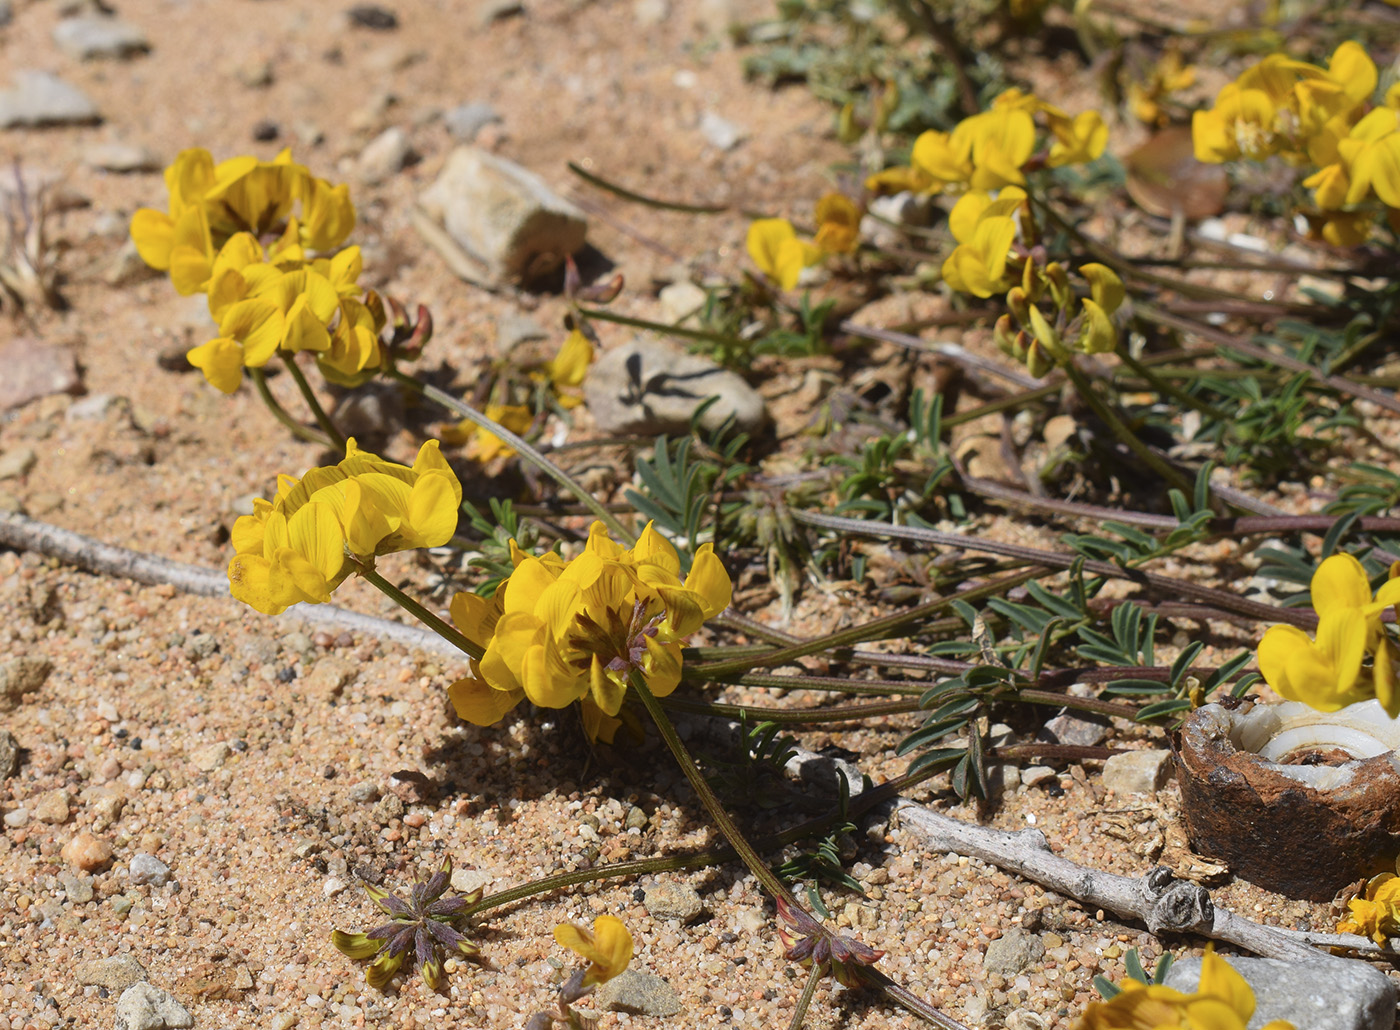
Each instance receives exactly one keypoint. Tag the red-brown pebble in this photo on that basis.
(87, 852)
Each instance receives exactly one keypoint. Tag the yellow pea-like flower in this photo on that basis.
(774, 248)
(297, 547)
(558, 632)
(985, 230)
(1328, 672)
(607, 948)
(1223, 1000)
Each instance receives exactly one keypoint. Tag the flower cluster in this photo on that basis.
(1223, 1001)
(1320, 118)
(304, 542)
(781, 255)
(1376, 914)
(1331, 672)
(425, 926)
(1169, 75)
(256, 237)
(557, 632)
(995, 148)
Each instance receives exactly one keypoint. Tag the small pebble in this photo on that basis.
(87, 852)
(147, 869)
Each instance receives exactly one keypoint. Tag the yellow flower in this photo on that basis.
(1377, 913)
(285, 304)
(1078, 140)
(773, 246)
(565, 372)
(838, 224)
(559, 632)
(486, 446)
(985, 230)
(1328, 673)
(1168, 76)
(607, 948)
(296, 547)
(210, 203)
(1223, 1001)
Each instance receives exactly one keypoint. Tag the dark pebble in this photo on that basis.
(120, 733)
(639, 895)
(266, 131)
(136, 743)
(372, 16)
(728, 938)
(345, 640)
(286, 675)
(328, 772)
(240, 745)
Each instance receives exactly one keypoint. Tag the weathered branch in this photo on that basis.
(23, 533)
(1158, 899)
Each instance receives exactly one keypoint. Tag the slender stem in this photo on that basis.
(804, 1002)
(902, 997)
(775, 887)
(1110, 418)
(440, 626)
(795, 716)
(873, 630)
(1175, 392)
(309, 395)
(525, 450)
(280, 413)
(1222, 599)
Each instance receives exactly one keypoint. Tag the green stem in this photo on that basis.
(873, 630)
(440, 626)
(804, 1002)
(1175, 392)
(280, 413)
(795, 716)
(322, 419)
(525, 450)
(1110, 418)
(855, 808)
(775, 887)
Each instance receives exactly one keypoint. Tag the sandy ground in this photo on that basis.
(271, 766)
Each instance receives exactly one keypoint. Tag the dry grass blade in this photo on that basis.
(28, 259)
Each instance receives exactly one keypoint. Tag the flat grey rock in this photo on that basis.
(1013, 952)
(93, 38)
(122, 157)
(17, 462)
(20, 676)
(116, 973)
(465, 121)
(40, 98)
(1137, 772)
(652, 386)
(1071, 728)
(1327, 994)
(34, 369)
(144, 1007)
(504, 215)
(385, 156)
(670, 900)
(639, 993)
(9, 755)
(147, 869)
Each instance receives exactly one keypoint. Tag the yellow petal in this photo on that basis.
(1104, 286)
(475, 616)
(607, 948)
(1221, 980)
(221, 361)
(257, 324)
(1354, 71)
(481, 704)
(153, 232)
(709, 579)
(1097, 335)
(606, 687)
(1340, 582)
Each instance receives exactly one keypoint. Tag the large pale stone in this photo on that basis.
(651, 386)
(504, 215)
